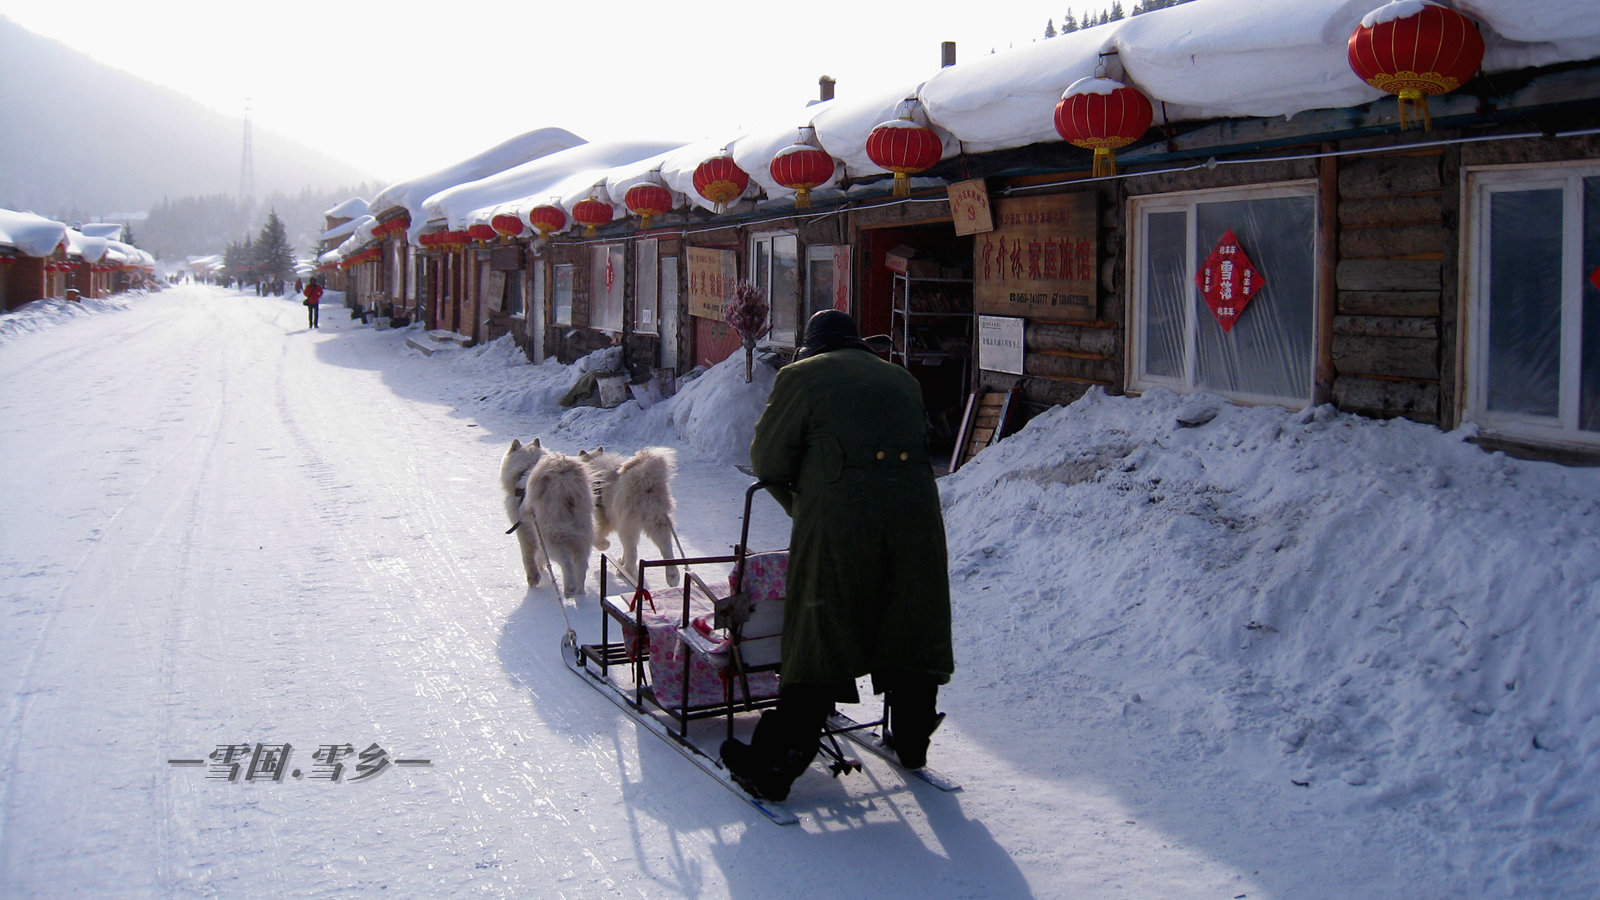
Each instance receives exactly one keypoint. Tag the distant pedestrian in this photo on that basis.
(313, 301)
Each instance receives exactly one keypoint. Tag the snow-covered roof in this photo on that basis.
(88, 248)
(343, 230)
(30, 234)
(520, 149)
(477, 201)
(112, 230)
(349, 209)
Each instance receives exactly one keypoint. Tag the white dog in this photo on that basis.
(550, 501)
(634, 496)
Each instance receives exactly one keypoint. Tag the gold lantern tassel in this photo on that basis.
(1412, 100)
(588, 231)
(802, 198)
(1105, 163)
(902, 184)
(644, 220)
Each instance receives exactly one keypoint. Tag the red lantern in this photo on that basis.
(1433, 50)
(507, 226)
(547, 219)
(481, 232)
(721, 181)
(904, 148)
(1102, 115)
(591, 213)
(647, 200)
(800, 168)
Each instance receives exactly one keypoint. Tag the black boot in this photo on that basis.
(766, 767)
(912, 720)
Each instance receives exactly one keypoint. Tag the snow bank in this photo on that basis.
(41, 315)
(30, 234)
(1377, 610)
(349, 209)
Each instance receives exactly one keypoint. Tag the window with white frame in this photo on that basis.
(646, 295)
(775, 269)
(1269, 355)
(1533, 318)
(606, 282)
(561, 302)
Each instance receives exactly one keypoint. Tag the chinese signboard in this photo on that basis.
(1227, 281)
(969, 206)
(712, 276)
(1000, 344)
(1041, 262)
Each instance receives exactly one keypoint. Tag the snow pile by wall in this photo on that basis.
(1377, 610)
(48, 313)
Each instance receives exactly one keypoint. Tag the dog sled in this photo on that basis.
(678, 659)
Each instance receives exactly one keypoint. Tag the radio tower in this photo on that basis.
(247, 171)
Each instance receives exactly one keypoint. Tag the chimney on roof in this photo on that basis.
(825, 84)
(947, 54)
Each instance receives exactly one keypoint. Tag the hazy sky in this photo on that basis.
(401, 88)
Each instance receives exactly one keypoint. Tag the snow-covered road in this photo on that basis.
(221, 529)
(224, 529)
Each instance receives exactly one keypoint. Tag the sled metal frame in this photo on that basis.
(597, 660)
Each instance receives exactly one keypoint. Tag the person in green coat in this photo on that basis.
(868, 591)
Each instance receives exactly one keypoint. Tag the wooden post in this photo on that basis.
(1327, 267)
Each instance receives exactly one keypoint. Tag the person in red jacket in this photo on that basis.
(313, 300)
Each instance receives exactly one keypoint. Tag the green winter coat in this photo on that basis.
(868, 587)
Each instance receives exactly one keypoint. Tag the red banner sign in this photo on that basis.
(1227, 281)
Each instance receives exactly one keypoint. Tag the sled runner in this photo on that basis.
(703, 651)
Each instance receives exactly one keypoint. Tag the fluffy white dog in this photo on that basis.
(633, 496)
(550, 501)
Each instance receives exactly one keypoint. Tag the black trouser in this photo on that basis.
(311, 314)
(910, 699)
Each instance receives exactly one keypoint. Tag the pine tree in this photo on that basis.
(274, 258)
(1116, 11)
(1050, 28)
(1069, 24)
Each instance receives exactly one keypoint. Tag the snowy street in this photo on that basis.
(147, 451)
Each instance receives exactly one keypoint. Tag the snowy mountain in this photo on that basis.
(80, 137)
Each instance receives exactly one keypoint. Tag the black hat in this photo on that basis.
(830, 329)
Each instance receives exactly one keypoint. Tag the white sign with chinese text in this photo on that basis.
(1000, 344)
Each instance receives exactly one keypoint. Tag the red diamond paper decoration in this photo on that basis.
(1227, 281)
(1594, 278)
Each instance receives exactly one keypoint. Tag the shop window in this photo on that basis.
(827, 281)
(1178, 342)
(775, 269)
(562, 301)
(606, 281)
(1533, 354)
(646, 296)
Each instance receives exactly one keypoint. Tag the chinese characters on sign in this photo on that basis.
(1227, 281)
(712, 276)
(270, 762)
(1041, 261)
(969, 207)
(1000, 344)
